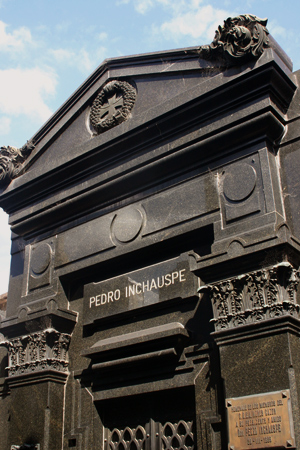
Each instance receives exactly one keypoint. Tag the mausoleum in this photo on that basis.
(153, 299)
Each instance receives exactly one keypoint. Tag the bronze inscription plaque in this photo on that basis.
(260, 421)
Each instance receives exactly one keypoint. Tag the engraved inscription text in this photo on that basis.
(260, 421)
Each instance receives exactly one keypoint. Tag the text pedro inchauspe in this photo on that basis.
(137, 288)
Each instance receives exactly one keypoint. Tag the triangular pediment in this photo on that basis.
(128, 94)
(139, 116)
(155, 85)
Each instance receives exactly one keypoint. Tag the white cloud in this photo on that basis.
(5, 124)
(100, 55)
(85, 61)
(2, 3)
(196, 3)
(277, 30)
(63, 27)
(14, 41)
(102, 36)
(80, 59)
(198, 22)
(175, 6)
(62, 55)
(23, 91)
(195, 18)
(142, 6)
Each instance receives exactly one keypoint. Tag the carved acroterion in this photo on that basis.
(240, 39)
(11, 161)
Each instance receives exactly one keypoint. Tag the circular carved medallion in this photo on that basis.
(239, 182)
(127, 225)
(112, 105)
(40, 258)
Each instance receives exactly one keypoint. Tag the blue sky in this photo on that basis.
(48, 48)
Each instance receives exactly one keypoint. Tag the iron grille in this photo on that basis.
(152, 436)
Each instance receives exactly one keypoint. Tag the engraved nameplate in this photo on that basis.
(154, 284)
(260, 421)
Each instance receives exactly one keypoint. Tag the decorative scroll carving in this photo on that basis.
(39, 351)
(240, 39)
(256, 296)
(60, 347)
(11, 160)
(112, 105)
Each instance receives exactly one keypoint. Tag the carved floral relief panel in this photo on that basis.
(38, 351)
(255, 296)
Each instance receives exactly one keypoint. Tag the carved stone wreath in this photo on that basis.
(241, 38)
(112, 105)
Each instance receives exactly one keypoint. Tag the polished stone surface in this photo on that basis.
(155, 264)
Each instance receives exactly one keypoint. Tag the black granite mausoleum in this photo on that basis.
(155, 222)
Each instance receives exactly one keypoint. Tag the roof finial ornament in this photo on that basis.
(240, 39)
(11, 160)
